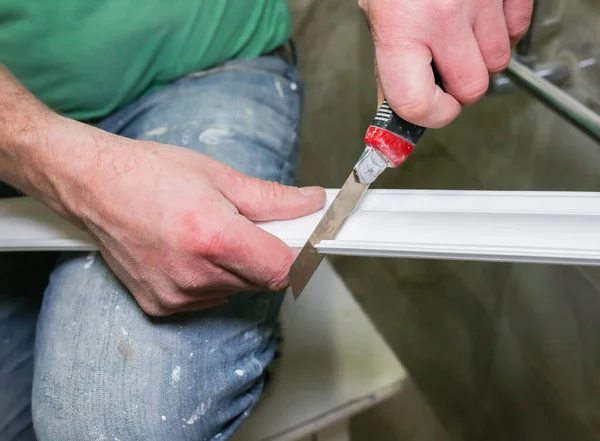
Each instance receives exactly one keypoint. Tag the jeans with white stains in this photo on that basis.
(104, 370)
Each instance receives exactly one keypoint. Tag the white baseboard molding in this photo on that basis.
(535, 227)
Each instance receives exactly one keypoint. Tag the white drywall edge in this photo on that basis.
(542, 227)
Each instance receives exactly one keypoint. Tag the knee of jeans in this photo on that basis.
(59, 415)
(184, 396)
(104, 371)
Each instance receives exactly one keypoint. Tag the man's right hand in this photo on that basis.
(175, 226)
(467, 39)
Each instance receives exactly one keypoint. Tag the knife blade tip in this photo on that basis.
(296, 285)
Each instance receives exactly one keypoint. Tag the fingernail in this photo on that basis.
(311, 191)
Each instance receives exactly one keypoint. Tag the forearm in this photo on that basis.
(41, 153)
(21, 116)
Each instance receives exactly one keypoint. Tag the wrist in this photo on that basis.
(50, 158)
(52, 161)
(24, 136)
(74, 160)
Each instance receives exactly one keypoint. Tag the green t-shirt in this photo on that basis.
(87, 58)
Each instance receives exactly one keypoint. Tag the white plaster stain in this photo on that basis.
(89, 260)
(247, 336)
(199, 412)
(213, 136)
(176, 374)
(97, 436)
(157, 132)
(117, 308)
(124, 331)
(239, 372)
(164, 418)
(279, 88)
(191, 354)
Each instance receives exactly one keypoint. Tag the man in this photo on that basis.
(167, 128)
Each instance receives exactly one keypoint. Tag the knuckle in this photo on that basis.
(519, 25)
(271, 190)
(499, 60)
(279, 279)
(518, 31)
(413, 108)
(200, 234)
(150, 303)
(171, 303)
(199, 277)
(184, 279)
(473, 90)
(448, 8)
(377, 14)
(213, 242)
(154, 309)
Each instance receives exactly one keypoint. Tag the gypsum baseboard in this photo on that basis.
(534, 227)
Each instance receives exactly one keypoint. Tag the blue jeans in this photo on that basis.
(89, 364)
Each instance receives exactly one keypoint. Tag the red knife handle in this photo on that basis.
(393, 137)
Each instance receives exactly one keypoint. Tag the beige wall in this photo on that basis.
(500, 351)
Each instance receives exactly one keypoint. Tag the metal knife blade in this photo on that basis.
(334, 219)
(388, 142)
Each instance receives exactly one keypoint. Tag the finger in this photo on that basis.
(217, 278)
(180, 302)
(462, 68)
(493, 39)
(256, 255)
(260, 200)
(518, 18)
(217, 299)
(409, 85)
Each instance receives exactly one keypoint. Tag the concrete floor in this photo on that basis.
(495, 351)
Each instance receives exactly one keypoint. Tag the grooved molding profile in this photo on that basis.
(535, 227)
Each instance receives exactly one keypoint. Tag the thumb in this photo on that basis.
(260, 200)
